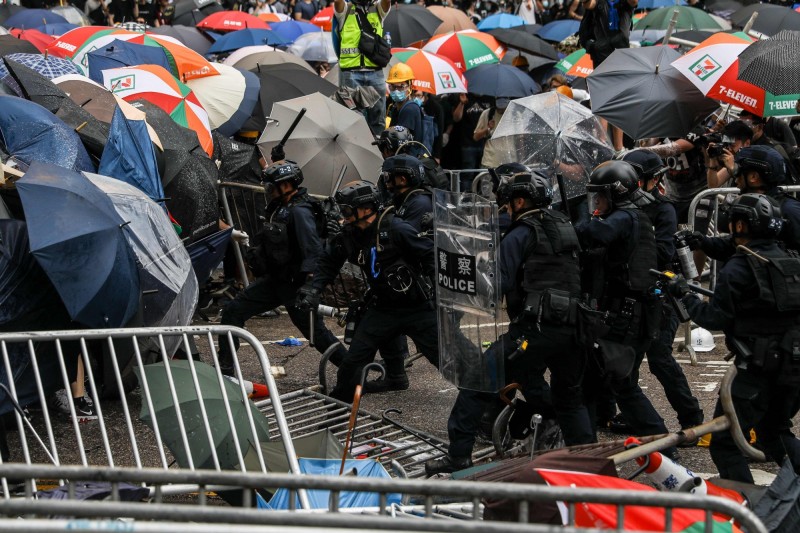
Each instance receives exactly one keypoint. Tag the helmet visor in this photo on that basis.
(599, 202)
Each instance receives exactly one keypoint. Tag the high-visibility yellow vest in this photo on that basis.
(350, 33)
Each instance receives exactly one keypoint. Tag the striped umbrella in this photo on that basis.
(72, 42)
(432, 73)
(467, 48)
(156, 85)
(578, 63)
(228, 98)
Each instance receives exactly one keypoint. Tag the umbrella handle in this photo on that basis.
(351, 425)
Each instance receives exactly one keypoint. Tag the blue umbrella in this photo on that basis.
(124, 54)
(248, 37)
(78, 238)
(48, 66)
(56, 28)
(558, 30)
(32, 133)
(500, 20)
(207, 253)
(290, 30)
(500, 81)
(655, 4)
(129, 156)
(32, 18)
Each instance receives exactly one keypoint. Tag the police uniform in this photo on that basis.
(292, 245)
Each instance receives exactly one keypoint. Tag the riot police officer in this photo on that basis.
(621, 250)
(540, 277)
(398, 264)
(396, 140)
(284, 257)
(403, 178)
(756, 303)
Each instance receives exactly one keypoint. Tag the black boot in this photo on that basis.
(446, 465)
(388, 384)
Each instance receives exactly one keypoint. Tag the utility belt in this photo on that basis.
(552, 307)
(634, 316)
(772, 355)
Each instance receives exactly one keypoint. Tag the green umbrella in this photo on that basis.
(689, 18)
(224, 432)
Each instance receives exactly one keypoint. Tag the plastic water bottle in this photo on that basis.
(388, 37)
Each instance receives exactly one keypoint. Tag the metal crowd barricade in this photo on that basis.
(201, 516)
(118, 438)
(242, 205)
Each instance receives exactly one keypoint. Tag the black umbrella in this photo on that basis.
(8, 9)
(287, 81)
(694, 36)
(190, 12)
(410, 23)
(500, 80)
(174, 137)
(771, 18)
(533, 29)
(37, 88)
(526, 42)
(239, 160)
(771, 64)
(534, 62)
(188, 35)
(11, 45)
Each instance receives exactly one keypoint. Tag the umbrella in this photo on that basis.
(284, 82)
(500, 20)
(72, 42)
(208, 399)
(274, 17)
(249, 37)
(190, 36)
(78, 238)
(130, 25)
(8, 9)
(452, 19)
(124, 54)
(519, 40)
(49, 67)
(410, 23)
(639, 91)
(558, 30)
(328, 137)
(689, 18)
(229, 99)
(500, 81)
(656, 4)
(467, 48)
(231, 21)
(742, 15)
(12, 45)
(31, 133)
(190, 12)
(32, 18)
(38, 39)
(432, 73)
(58, 28)
(71, 14)
(773, 19)
(166, 278)
(765, 65)
(324, 18)
(578, 63)
(44, 92)
(316, 46)
(534, 62)
(546, 128)
(647, 36)
(694, 36)
(157, 85)
(249, 57)
(292, 29)
(239, 160)
(207, 253)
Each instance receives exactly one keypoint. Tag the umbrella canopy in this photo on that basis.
(639, 91)
(765, 63)
(467, 48)
(8, 9)
(452, 20)
(166, 278)
(742, 15)
(558, 30)
(534, 62)
(31, 133)
(290, 30)
(695, 36)
(239, 160)
(190, 36)
(231, 21)
(49, 67)
(328, 136)
(324, 18)
(284, 82)
(37, 38)
(500, 81)
(71, 14)
(249, 37)
(229, 99)
(656, 4)
(432, 73)
(32, 18)
(500, 20)
(410, 23)
(124, 54)
(190, 12)
(689, 18)
(549, 131)
(520, 40)
(78, 238)
(578, 63)
(12, 45)
(58, 28)
(249, 57)
(316, 46)
(72, 42)
(774, 19)
(274, 17)
(157, 85)
(209, 398)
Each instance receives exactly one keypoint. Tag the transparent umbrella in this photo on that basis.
(553, 133)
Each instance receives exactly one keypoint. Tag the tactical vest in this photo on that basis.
(403, 207)
(350, 57)
(633, 274)
(274, 237)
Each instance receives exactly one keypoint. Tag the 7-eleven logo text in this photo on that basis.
(705, 67)
(123, 83)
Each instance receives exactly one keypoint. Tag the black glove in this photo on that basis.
(678, 287)
(277, 153)
(332, 228)
(308, 298)
(694, 239)
(693, 137)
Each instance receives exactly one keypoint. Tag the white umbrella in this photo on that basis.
(315, 46)
(327, 137)
(249, 57)
(228, 98)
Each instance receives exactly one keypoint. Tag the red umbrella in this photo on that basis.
(324, 18)
(38, 39)
(68, 44)
(231, 21)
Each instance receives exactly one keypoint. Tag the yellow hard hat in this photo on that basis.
(400, 73)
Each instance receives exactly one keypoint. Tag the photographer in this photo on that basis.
(720, 150)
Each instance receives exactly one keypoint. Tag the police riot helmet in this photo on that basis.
(357, 194)
(284, 171)
(763, 217)
(392, 138)
(648, 165)
(404, 165)
(506, 170)
(765, 160)
(531, 185)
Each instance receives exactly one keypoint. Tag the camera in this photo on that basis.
(717, 150)
(705, 140)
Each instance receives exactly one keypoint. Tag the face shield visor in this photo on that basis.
(599, 202)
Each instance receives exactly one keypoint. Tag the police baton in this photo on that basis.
(292, 127)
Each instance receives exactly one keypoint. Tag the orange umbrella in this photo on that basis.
(452, 19)
(274, 17)
(69, 44)
(467, 48)
(324, 19)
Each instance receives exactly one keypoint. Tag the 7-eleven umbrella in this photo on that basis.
(75, 40)
(432, 73)
(231, 21)
(713, 67)
(156, 85)
(324, 18)
(467, 48)
(578, 63)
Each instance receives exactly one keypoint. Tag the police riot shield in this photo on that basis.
(466, 236)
